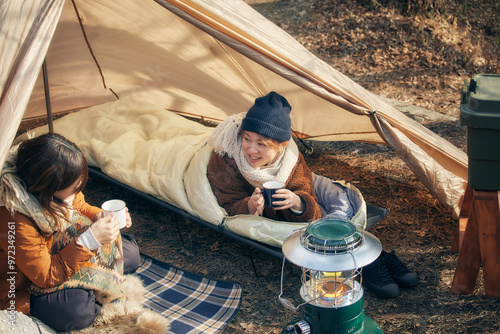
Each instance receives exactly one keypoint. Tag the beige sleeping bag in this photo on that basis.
(165, 155)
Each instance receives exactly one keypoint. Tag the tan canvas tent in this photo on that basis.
(202, 58)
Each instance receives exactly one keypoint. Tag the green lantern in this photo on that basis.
(331, 254)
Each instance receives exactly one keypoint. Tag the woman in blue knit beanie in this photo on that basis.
(255, 147)
(252, 148)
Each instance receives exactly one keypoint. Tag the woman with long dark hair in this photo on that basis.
(60, 261)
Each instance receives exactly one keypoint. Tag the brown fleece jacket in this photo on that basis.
(233, 191)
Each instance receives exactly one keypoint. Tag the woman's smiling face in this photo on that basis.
(256, 151)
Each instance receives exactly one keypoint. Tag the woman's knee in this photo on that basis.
(131, 254)
(66, 310)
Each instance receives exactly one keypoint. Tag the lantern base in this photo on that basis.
(369, 327)
(350, 319)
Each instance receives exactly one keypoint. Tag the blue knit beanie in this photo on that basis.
(269, 117)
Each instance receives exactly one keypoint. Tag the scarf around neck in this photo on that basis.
(226, 139)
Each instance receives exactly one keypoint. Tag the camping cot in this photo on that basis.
(164, 157)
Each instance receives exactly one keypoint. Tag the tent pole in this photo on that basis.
(47, 96)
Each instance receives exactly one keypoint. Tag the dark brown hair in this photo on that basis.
(50, 163)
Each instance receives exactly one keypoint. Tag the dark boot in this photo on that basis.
(378, 279)
(398, 270)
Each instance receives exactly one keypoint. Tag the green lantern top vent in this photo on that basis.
(331, 237)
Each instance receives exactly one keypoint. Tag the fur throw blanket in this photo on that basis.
(128, 316)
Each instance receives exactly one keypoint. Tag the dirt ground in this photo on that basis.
(418, 52)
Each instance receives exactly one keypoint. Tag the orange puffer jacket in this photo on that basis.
(25, 257)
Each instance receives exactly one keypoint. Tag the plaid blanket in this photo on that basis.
(193, 303)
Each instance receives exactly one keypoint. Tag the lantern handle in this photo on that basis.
(287, 303)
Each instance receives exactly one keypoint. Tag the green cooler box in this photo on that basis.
(480, 112)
